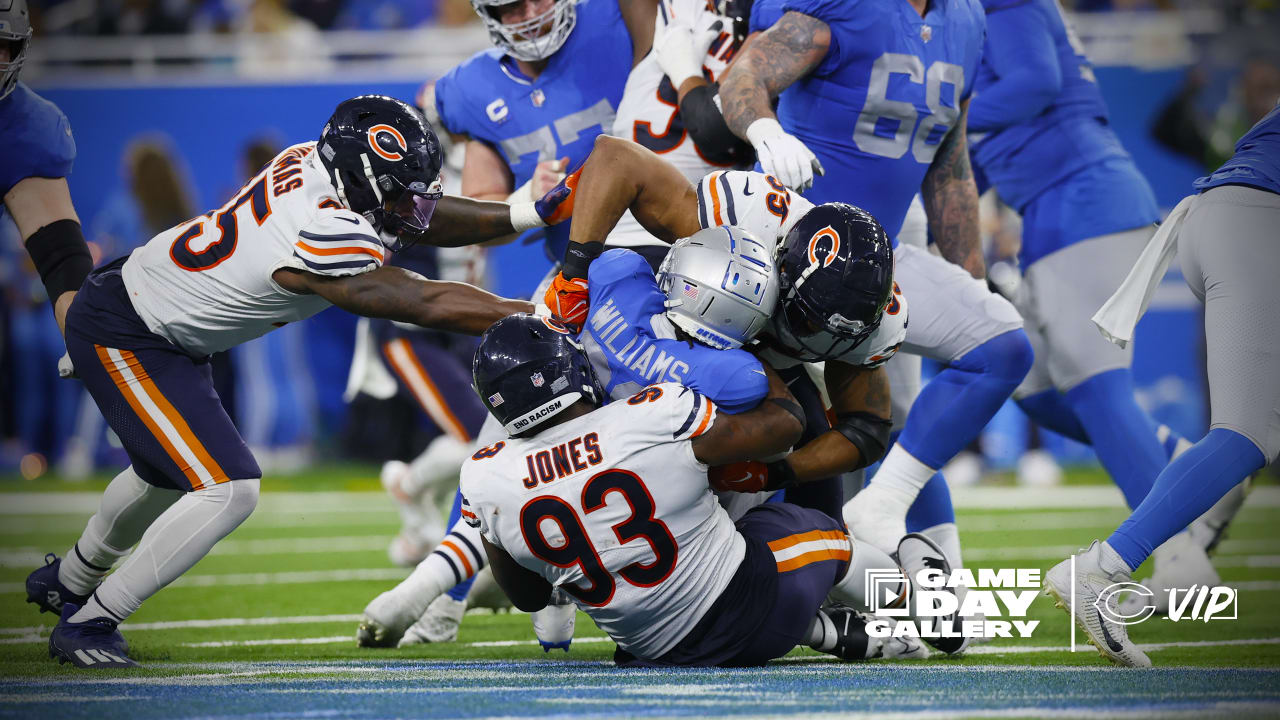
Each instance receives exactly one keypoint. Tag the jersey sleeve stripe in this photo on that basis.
(340, 237)
(728, 199)
(706, 419)
(702, 204)
(325, 266)
(693, 415)
(715, 199)
(342, 250)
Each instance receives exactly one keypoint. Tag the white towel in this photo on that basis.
(1117, 318)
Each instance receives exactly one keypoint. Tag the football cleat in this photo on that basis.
(1180, 563)
(47, 591)
(386, 618)
(872, 517)
(1086, 588)
(439, 624)
(553, 625)
(851, 639)
(916, 553)
(95, 643)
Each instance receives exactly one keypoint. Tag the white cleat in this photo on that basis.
(386, 618)
(439, 624)
(904, 648)
(871, 518)
(553, 625)
(421, 523)
(1181, 563)
(1091, 580)
(916, 552)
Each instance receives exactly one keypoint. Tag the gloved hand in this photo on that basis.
(568, 300)
(557, 205)
(680, 48)
(782, 155)
(66, 370)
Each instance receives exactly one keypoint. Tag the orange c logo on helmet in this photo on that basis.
(555, 325)
(815, 243)
(377, 130)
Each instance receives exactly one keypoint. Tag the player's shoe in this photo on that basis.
(553, 625)
(917, 552)
(47, 591)
(1086, 588)
(95, 643)
(439, 624)
(386, 618)
(873, 517)
(1180, 563)
(1211, 528)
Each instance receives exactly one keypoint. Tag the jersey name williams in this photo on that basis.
(638, 352)
(563, 460)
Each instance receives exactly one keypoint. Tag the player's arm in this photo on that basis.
(860, 435)
(1021, 53)
(528, 590)
(459, 221)
(638, 16)
(771, 428)
(484, 174)
(394, 293)
(50, 229)
(950, 197)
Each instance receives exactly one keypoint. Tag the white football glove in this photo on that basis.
(782, 155)
(680, 47)
(66, 370)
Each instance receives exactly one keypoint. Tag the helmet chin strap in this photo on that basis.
(368, 173)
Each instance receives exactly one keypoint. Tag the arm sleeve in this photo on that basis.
(338, 242)
(1021, 53)
(700, 112)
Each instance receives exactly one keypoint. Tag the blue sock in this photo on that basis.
(1119, 431)
(956, 404)
(1049, 409)
(1187, 488)
(932, 506)
(459, 592)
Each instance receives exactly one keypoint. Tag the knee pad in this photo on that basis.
(1006, 358)
(239, 496)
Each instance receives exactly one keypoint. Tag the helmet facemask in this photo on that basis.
(531, 40)
(16, 35)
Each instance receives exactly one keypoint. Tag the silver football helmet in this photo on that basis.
(537, 38)
(721, 286)
(15, 32)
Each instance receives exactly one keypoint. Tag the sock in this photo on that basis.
(1189, 486)
(932, 506)
(1049, 409)
(822, 633)
(947, 535)
(177, 540)
(852, 589)
(957, 403)
(1119, 431)
(455, 560)
(900, 478)
(129, 506)
(467, 539)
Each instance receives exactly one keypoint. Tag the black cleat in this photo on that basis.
(46, 591)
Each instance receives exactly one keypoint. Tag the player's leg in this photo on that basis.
(957, 320)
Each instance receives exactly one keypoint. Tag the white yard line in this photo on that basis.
(279, 578)
(21, 557)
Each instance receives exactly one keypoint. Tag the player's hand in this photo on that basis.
(680, 48)
(556, 205)
(749, 476)
(782, 155)
(568, 300)
(66, 370)
(547, 175)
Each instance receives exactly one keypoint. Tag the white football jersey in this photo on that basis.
(763, 206)
(206, 285)
(614, 508)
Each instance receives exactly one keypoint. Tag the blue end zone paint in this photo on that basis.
(561, 689)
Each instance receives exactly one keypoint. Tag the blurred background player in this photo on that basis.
(319, 222)
(878, 152)
(1225, 238)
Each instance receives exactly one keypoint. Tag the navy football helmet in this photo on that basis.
(384, 159)
(836, 277)
(529, 368)
(15, 33)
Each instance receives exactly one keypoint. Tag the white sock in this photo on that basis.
(822, 633)
(440, 461)
(852, 589)
(177, 540)
(948, 538)
(129, 506)
(457, 558)
(902, 476)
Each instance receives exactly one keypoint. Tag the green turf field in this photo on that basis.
(272, 613)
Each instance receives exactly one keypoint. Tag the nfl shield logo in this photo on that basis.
(536, 379)
(538, 97)
(926, 33)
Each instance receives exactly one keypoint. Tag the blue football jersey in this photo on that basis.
(1257, 159)
(630, 351)
(37, 139)
(1025, 151)
(558, 114)
(879, 103)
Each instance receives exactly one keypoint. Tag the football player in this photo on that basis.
(1225, 239)
(33, 178)
(1049, 151)
(877, 92)
(318, 224)
(613, 508)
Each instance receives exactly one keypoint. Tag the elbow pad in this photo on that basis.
(868, 432)
(61, 256)
(705, 123)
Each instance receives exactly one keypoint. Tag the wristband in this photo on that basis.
(524, 216)
(781, 475)
(578, 257)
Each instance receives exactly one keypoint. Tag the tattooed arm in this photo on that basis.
(767, 65)
(951, 200)
(852, 390)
